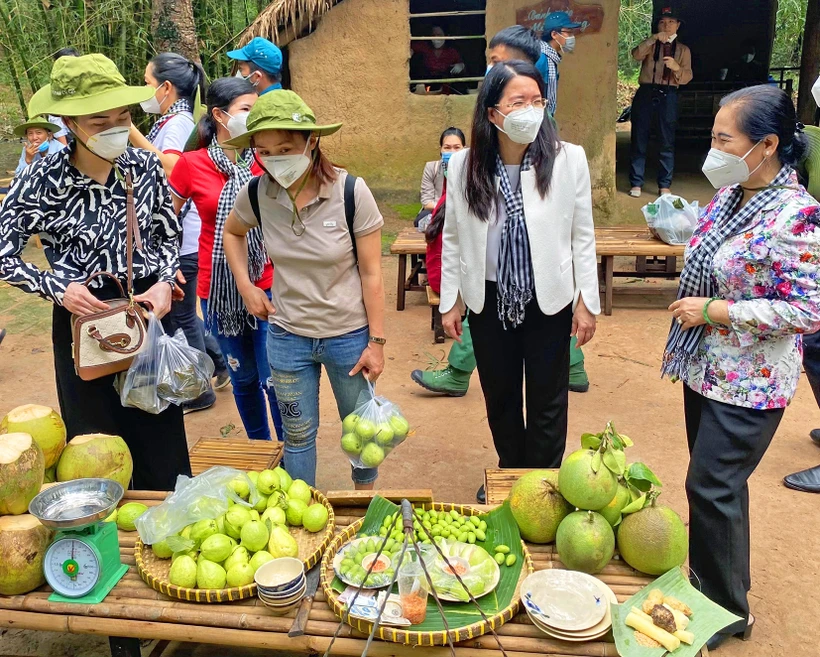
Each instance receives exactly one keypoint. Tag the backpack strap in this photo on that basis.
(253, 196)
(350, 210)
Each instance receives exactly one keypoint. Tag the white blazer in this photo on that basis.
(561, 233)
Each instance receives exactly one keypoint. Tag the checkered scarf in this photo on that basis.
(515, 277)
(180, 106)
(696, 279)
(225, 305)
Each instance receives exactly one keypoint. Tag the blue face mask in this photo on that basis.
(445, 160)
(42, 148)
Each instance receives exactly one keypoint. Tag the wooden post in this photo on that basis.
(809, 64)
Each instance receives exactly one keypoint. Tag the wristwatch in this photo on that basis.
(375, 340)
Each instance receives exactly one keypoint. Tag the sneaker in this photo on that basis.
(663, 191)
(202, 402)
(578, 379)
(221, 381)
(481, 495)
(815, 433)
(635, 192)
(449, 381)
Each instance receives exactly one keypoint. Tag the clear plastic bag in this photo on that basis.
(204, 497)
(167, 371)
(671, 219)
(373, 430)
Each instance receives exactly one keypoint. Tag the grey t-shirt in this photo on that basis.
(316, 290)
(496, 225)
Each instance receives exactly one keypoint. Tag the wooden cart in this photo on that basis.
(134, 611)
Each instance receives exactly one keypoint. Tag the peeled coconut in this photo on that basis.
(43, 424)
(21, 472)
(537, 506)
(582, 487)
(653, 540)
(585, 541)
(23, 544)
(96, 455)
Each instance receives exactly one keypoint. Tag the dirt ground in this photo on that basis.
(452, 446)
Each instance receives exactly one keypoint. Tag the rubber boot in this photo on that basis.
(449, 381)
(578, 379)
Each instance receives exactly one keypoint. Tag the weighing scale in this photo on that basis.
(82, 564)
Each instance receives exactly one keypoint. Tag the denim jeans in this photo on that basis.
(247, 360)
(183, 315)
(296, 365)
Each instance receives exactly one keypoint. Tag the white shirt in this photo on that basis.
(58, 121)
(495, 229)
(172, 137)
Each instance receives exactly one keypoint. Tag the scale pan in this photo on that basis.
(76, 504)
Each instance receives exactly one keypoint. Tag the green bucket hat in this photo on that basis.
(281, 110)
(84, 85)
(36, 122)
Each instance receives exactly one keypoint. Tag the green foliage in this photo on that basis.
(788, 37)
(634, 25)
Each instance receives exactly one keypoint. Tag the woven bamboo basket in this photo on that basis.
(154, 571)
(410, 637)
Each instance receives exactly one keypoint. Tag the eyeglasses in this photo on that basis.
(538, 103)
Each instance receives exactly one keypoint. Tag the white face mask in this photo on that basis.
(152, 105)
(109, 144)
(569, 43)
(247, 78)
(815, 91)
(438, 43)
(522, 125)
(287, 169)
(724, 169)
(237, 124)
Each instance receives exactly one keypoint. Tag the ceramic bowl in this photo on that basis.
(283, 602)
(282, 611)
(285, 593)
(279, 574)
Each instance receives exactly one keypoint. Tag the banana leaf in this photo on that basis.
(501, 530)
(707, 617)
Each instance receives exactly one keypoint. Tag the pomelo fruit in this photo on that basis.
(582, 487)
(537, 506)
(585, 541)
(128, 513)
(653, 540)
(43, 424)
(314, 519)
(22, 469)
(23, 544)
(612, 511)
(96, 455)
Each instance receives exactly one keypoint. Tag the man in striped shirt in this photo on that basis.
(556, 39)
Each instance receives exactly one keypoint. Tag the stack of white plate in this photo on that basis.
(568, 605)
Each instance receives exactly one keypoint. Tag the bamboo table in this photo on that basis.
(135, 611)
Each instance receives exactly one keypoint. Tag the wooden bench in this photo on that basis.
(239, 453)
(610, 241)
(435, 319)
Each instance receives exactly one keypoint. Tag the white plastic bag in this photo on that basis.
(671, 219)
(373, 430)
(204, 497)
(138, 384)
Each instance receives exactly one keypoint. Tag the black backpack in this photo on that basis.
(350, 206)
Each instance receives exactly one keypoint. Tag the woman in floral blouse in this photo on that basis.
(748, 290)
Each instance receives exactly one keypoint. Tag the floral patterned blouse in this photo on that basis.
(770, 275)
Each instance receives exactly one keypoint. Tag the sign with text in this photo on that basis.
(591, 17)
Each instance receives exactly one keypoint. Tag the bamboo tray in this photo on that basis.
(411, 637)
(154, 571)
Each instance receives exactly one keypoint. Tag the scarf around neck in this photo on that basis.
(180, 106)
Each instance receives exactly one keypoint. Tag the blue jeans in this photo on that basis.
(296, 365)
(247, 360)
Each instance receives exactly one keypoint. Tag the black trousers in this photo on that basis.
(725, 445)
(652, 104)
(157, 442)
(811, 362)
(536, 351)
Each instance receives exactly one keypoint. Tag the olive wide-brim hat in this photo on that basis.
(281, 110)
(37, 122)
(85, 85)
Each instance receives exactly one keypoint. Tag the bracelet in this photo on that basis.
(375, 340)
(705, 311)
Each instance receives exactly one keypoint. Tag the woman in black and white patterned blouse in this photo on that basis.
(76, 201)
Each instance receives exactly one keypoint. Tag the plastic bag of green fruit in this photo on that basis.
(373, 430)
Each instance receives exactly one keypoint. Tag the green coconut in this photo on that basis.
(44, 424)
(23, 544)
(96, 455)
(22, 469)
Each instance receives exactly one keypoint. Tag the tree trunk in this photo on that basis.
(809, 63)
(173, 28)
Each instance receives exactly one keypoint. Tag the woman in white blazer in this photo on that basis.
(519, 252)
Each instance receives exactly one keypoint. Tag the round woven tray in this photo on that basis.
(154, 571)
(410, 637)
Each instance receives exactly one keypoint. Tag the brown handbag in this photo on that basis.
(106, 342)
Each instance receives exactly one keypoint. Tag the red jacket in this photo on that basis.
(433, 258)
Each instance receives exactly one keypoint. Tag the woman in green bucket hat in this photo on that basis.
(76, 201)
(322, 231)
(40, 142)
